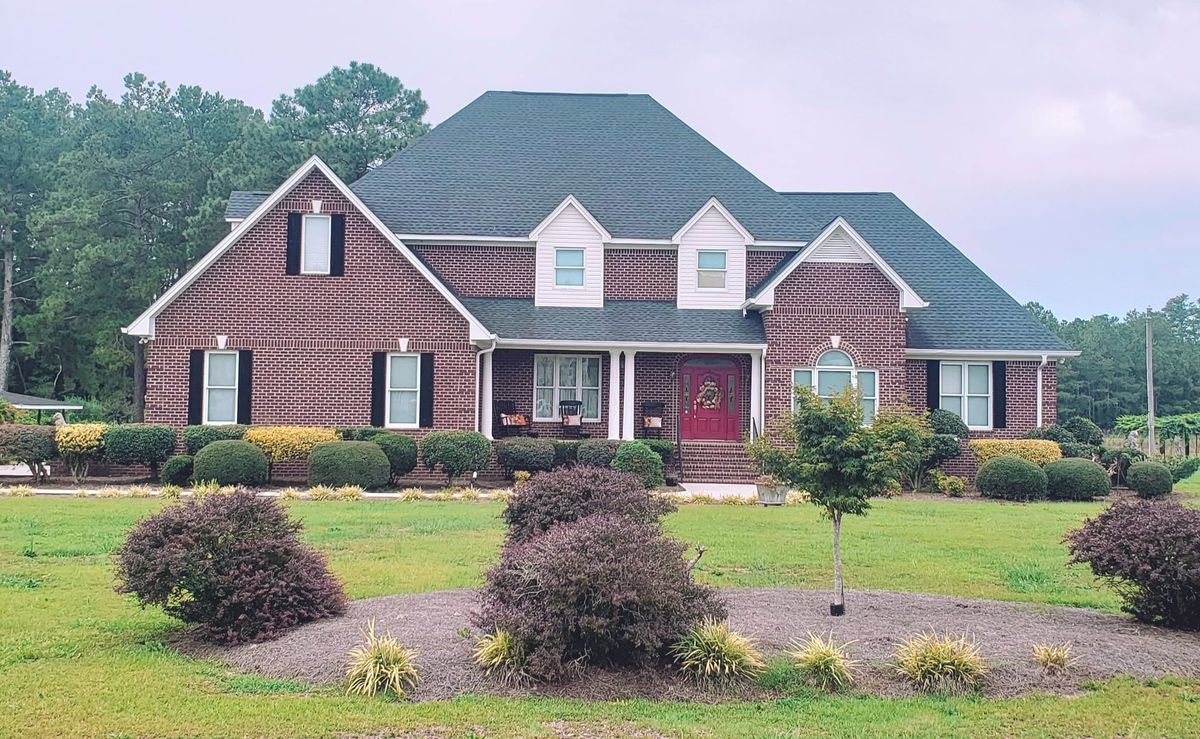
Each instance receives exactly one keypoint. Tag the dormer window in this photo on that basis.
(315, 243)
(711, 267)
(568, 267)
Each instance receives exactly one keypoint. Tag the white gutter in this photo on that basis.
(1045, 361)
(1032, 355)
(478, 367)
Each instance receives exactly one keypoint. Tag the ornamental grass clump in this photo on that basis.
(940, 663)
(824, 663)
(381, 665)
(1053, 658)
(501, 654)
(711, 652)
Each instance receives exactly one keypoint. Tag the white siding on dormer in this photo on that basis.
(839, 247)
(570, 229)
(712, 232)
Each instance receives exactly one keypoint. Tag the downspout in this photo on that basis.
(478, 366)
(1045, 360)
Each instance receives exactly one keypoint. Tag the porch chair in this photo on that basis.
(509, 422)
(572, 418)
(652, 420)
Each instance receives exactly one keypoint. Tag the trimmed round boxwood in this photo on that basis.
(1149, 479)
(139, 443)
(1084, 430)
(526, 454)
(641, 460)
(456, 452)
(1011, 478)
(597, 452)
(230, 462)
(338, 463)
(1075, 479)
(942, 421)
(400, 450)
(177, 470)
(196, 438)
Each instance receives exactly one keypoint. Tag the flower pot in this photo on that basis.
(772, 494)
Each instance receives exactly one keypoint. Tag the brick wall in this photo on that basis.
(760, 263)
(640, 274)
(512, 380)
(483, 271)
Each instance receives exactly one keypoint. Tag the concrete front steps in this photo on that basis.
(716, 461)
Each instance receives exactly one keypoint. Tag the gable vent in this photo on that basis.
(838, 248)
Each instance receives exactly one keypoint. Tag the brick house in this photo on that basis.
(539, 248)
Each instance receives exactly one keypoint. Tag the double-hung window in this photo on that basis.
(711, 269)
(568, 267)
(833, 373)
(220, 388)
(966, 391)
(315, 242)
(558, 377)
(403, 390)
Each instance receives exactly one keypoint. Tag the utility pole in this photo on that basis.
(1149, 384)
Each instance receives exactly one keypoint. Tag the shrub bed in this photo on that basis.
(1075, 479)
(568, 605)
(139, 443)
(177, 470)
(1011, 478)
(196, 438)
(597, 452)
(29, 445)
(1149, 552)
(525, 454)
(565, 452)
(400, 450)
(338, 463)
(1149, 479)
(455, 452)
(230, 462)
(232, 564)
(638, 458)
(570, 493)
(1038, 451)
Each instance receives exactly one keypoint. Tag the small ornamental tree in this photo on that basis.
(823, 447)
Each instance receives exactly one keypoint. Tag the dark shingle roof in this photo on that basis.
(35, 403)
(618, 320)
(967, 310)
(243, 202)
(501, 165)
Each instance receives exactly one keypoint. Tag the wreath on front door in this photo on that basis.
(708, 395)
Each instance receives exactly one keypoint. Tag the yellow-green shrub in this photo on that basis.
(1038, 451)
(284, 443)
(78, 444)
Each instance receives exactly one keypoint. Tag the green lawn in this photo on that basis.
(76, 659)
(1191, 485)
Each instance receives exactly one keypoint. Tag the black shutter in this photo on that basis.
(378, 391)
(999, 400)
(426, 412)
(195, 387)
(933, 385)
(337, 245)
(245, 385)
(293, 244)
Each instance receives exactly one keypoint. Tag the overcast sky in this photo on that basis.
(1056, 143)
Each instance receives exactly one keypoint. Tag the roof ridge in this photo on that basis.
(549, 93)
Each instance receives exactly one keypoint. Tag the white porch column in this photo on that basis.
(485, 394)
(756, 393)
(627, 420)
(614, 394)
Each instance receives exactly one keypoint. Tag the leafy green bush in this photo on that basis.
(641, 460)
(1084, 430)
(400, 450)
(1079, 450)
(1118, 461)
(597, 452)
(1011, 478)
(710, 651)
(1052, 432)
(338, 463)
(29, 445)
(196, 438)
(932, 662)
(1075, 479)
(1149, 479)
(663, 448)
(139, 443)
(525, 453)
(288, 443)
(1038, 451)
(1181, 467)
(456, 452)
(230, 462)
(177, 470)
(357, 433)
(565, 451)
(942, 421)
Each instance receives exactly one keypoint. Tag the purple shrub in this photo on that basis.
(232, 564)
(1150, 554)
(603, 590)
(571, 493)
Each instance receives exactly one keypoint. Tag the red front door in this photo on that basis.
(708, 398)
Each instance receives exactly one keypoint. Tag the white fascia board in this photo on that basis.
(438, 238)
(1013, 354)
(143, 325)
(766, 245)
(711, 204)
(648, 346)
(908, 296)
(570, 201)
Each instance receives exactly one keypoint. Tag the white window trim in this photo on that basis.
(724, 272)
(853, 369)
(556, 416)
(388, 389)
(237, 368)
(304, 244)
(582, 268)
(963, 365)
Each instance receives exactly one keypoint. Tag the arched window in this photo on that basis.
(833, 373)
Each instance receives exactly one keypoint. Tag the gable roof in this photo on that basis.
(143, 325)
(967, 310)
(243, 202)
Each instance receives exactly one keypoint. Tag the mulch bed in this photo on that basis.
(1104, 645)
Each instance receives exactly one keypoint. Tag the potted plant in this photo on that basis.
(771, 490)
